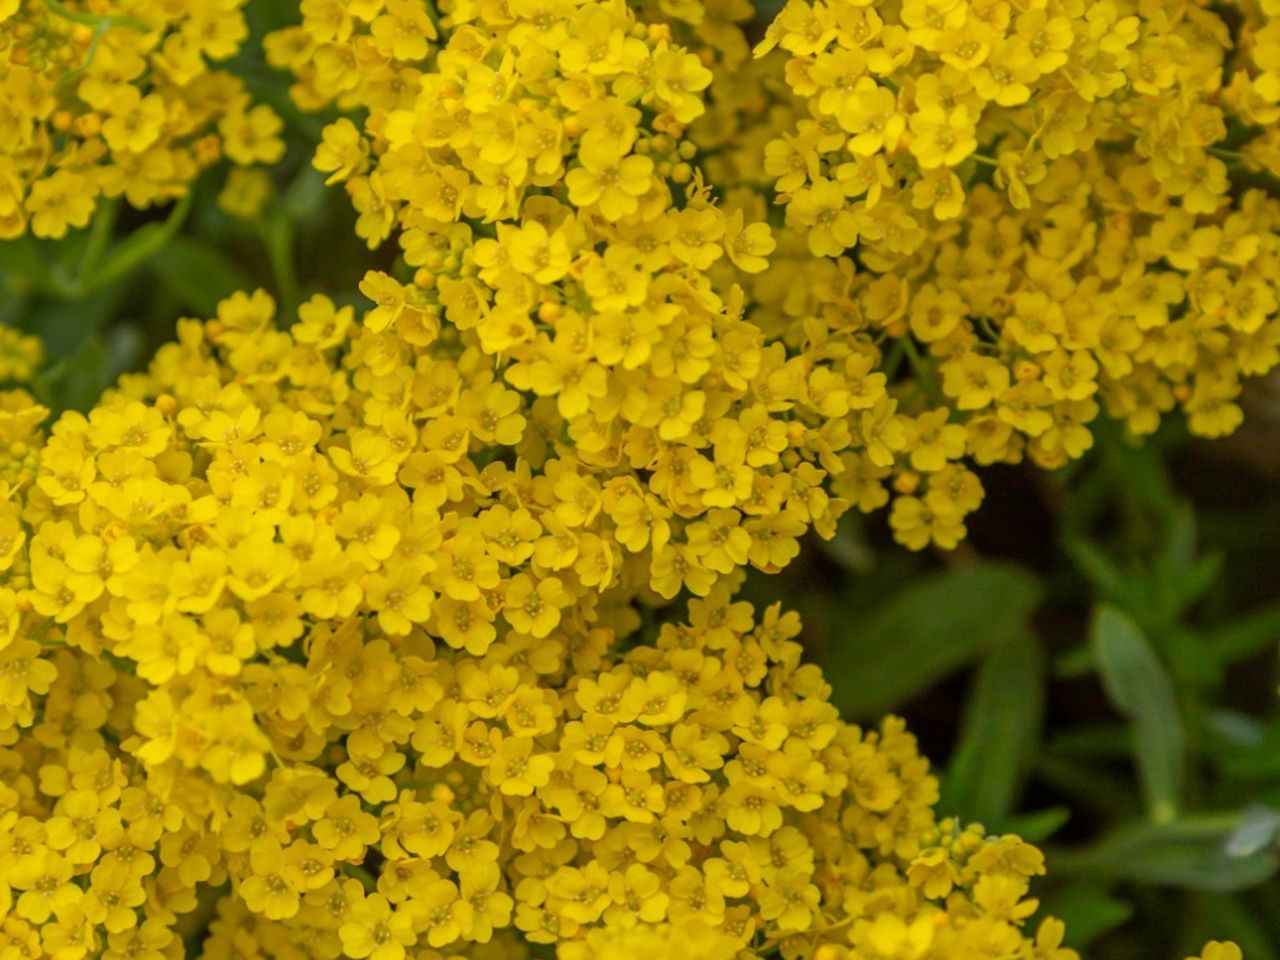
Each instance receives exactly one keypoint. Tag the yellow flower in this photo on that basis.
(375, 930)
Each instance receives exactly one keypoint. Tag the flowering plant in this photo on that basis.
(413, 623)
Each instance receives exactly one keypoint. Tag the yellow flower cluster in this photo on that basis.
(1096, 256)
(1030, 208)
(576, 100)
(536, 176)
(382, 712)
(21, 355)
(111, 98)
(229, 662)
(330, 633)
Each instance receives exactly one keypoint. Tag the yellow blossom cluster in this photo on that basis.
(1022, 214)
(226, 675)
(341, 469)
(464, 123)
(565, 247)
(21, 355)
(104, 99)
(327, 641)
(961, 307)
(353, 711)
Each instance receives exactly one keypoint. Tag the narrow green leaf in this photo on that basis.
(1185, 650)
(1259, 830)
(1235, 730)
(1039, 825)
(999, 733)
(1110, 739)
(1140, 689)
(924, 632)
(23, 265)
(1097, 566)
(849, 547)
(139, 247)
(1088, 784)
(1179, 553)
(1193, 853)
(1247, 636)
(1088, 909)
(1180, 576)
(82, 377)
(1196, 581)
(278, 236)
(198, 275)
(305, 197)
(1253, 756)
(1075, 662)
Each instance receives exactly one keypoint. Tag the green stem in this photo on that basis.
(71, 76)
(277, 235)
(95, 19)
(367, 879)
(139, 253)
(99, 235)
(984, 159)
(432, 15)
(1222, 153)
(924, 374)
(985, 324)
(893, 360)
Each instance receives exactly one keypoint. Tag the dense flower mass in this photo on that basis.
(385, 713)
(1037, 210)
(103, 99)
(578, 264)
(1003, 220)
(345, 636)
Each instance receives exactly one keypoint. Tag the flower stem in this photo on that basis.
(95, 19)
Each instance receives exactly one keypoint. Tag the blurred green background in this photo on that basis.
(1095, 669)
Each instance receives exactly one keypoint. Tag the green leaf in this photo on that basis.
(278, 236)
(1181, 574)
(139, 247)
(1234, 729)
(999, 733)
(924, 632)
(1179, 553)
(305, 197)
(77, 382)
(1193, 853)
(1140, 688)
(64, 325)
(1097, 566)
(1110, 739)
(1090, 784)
(1259, 830)
(199, 275)
(1088, 909)
(23, 266)
(1076, 662)
(1247, 636)
(1249, 753)
(849, 547)
(1038, 826)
